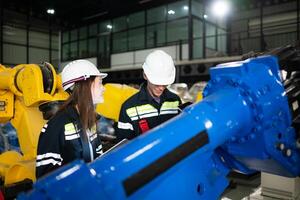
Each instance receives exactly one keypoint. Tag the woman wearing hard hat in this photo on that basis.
(71, 133)
(154, 103)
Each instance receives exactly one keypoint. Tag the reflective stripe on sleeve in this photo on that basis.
(48, 158)
(122, 125)
(47, 162)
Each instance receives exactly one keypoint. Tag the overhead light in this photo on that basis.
(220, 8)
(205, 16)
(171, 12)
(109, 26)
(185, 7)
(50, 11)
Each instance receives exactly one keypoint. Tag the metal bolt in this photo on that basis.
(281, 146)
(287, 152)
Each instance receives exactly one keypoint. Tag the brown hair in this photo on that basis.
(81, 97)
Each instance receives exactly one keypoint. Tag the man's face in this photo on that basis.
(156, 90)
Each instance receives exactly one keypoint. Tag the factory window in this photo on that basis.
(73, 50)
(136, 19)
(37, 55)
(14, 54)
(14, 35)
(103, 43)
(119, 24)
(93, 47)
(119, 42)
(210, 36)
(156, 35)
(198, 48)
(65, 51)
(197, 28)
(83, 32)
(136, 39)
(74, 35)
(222, 40)
(38, 39)
(155, 15)
(177, 10)
(177, 30)
(83, 51)
(54, 41)
(197, 8)
(93, 30)
(65, 37)
(54, 59)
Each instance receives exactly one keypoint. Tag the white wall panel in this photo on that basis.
(135, 59)
(122, 59)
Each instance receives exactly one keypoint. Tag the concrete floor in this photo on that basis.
(241, 187)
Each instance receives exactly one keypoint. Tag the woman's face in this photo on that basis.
(97, 90)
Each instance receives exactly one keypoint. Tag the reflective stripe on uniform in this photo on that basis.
(72, 137)
(48, 155)
(44, 128)
(169, 112)
(47, 162)
(99, 149)
(92, 137)
(142, 111)
(169, 105)
(69, 129)
(92, 133)
(122, 125)
(71, 132)
(48, 158)
(149, 115)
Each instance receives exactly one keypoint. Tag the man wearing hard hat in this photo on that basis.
(154, 103)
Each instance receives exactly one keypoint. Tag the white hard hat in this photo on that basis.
(159, 68)
(78, 70)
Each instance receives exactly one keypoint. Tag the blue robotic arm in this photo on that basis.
(244, 123)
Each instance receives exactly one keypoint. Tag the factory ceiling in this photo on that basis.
(72, 13)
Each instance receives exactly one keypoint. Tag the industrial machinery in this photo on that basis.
(248, 121)
(29, 94)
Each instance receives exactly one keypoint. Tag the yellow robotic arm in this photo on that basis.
(114, 96)
(27, 93)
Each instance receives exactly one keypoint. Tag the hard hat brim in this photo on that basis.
(103, 75)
